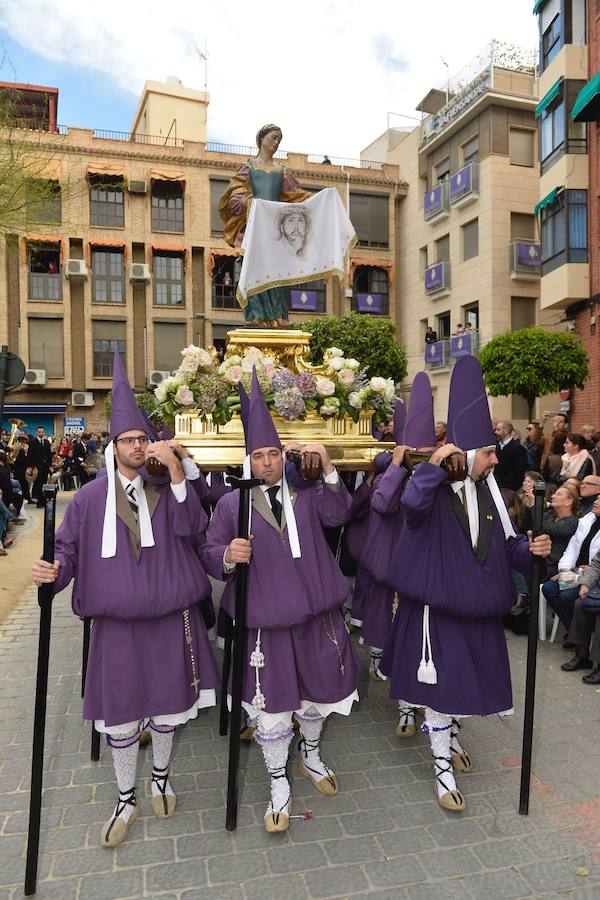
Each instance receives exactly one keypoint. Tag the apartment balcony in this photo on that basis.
(464, 185)
(525, 260)
(443, 354)
(435, 203)
(437, 279)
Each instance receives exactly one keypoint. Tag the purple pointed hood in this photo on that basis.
(419, 428)
(244, 407)
(125, 413)
(166, 433)
(469, 421)
(399, 421)
(152, 433)
(259, 427)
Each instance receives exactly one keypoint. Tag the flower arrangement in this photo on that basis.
(202, 383)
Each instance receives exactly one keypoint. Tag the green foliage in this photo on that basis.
(147, 400)
(366, 338)
(532, 363)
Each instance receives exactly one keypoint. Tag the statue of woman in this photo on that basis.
(264, 179)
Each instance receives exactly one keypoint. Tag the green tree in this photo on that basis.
(372, 341)
(532, 363)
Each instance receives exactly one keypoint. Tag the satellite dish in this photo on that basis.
(174, 79)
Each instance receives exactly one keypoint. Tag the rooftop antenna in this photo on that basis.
(447, 79)
(203, 57)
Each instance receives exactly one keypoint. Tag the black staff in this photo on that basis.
(45, 594)
(539, 491)
(238, 653)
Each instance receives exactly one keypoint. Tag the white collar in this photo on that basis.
(137, 482)
(109, 529)
(267, 487)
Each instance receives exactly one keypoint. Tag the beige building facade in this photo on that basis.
(129, 255)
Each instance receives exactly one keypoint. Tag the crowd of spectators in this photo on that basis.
(28, 461)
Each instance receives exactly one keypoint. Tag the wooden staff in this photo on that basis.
(238, 653)
(539, 491)
(45, 595)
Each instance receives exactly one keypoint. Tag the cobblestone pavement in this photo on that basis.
(383, 836)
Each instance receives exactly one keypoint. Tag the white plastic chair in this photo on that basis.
(543, 606)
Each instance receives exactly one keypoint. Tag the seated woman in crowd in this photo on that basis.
(577, 461)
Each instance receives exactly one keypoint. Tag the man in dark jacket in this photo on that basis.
(512, 458)
(40, 458)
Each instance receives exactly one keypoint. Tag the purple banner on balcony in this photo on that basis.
(460, 182)
(461, 345)
(432, 200)
(303, 300)
(529, 254)
(434, 353)
(369, 303)
(434, 277)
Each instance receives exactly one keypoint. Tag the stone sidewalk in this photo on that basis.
(383, 836)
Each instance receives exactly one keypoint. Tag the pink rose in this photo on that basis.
(270, 370)
(184, 396)
(233, 374)
(346, 377)
(325, 387)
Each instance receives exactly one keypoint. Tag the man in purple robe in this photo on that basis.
(139, 578)
(452, 571)
(300, 662)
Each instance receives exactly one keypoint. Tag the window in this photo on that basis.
(371, 282)
(550, 30)
(108, 276)
(169, 341)
(558, 133)
(108, 337)
(370, 217)
(422, 261)
(223, 283)
(564, 230)
(169, 279)
(46, 346)
(522, 227)
(107, 201)
(521, 147)
(470, 151)
(470, 236)
(44, 271)
(522, 312)
(443, 326)
(167, 206)
(442, 170)
(442, 248)
(471, 315)
(44, 206)
(217, 189)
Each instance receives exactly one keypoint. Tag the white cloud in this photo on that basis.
(328, 71)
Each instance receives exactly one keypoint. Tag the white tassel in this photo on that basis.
(427, 672)
(257, 661)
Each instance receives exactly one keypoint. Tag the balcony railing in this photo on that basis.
(464, 185)
(443, 354)
(437, 279)
(160, 140)
(435, 203)
(525, 260)
(374, 304)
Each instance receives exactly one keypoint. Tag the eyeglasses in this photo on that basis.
(141, 439)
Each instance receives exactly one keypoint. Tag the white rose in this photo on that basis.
(325, 387)
(346, 377)
(353, 363)
(328, 410)
(378, 384)
(184, 396)
(234, 360)
(188, 364)
(390, 390)
(233, 374)
(190, 351)
(248, 364)
(160, 392)
(355, 400)
(204, 358)
(336, 363)
(334, 351)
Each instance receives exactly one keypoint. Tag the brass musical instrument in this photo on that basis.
(15, 425)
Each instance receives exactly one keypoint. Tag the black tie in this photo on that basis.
(275, 504)
(132, 498)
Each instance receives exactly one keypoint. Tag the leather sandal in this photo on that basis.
(116, 830)
(163, 804)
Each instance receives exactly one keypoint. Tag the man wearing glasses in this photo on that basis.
(589, 489)
(129, 545)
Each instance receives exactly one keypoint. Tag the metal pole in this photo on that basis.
(45, 595)
(538, 514)
(228, 640)
(3, 377)
(239, 661)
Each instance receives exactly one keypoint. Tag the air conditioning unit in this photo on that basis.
(35, 376)
(139, 272)
(82, 398)
(137, 187)
(76, 267)
(156, 377)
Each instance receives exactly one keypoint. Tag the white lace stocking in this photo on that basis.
(162, 745)
(439, 727)
(275, 744)
(124, 749)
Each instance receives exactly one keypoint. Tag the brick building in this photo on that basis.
(127, 252)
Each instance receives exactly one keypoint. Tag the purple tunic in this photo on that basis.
(139, 663)
(468, 591)
(379, 541)
(295, 602)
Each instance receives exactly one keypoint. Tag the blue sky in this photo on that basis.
(84, 100)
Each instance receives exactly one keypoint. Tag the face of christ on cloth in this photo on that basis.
(294, 228)
(267, 463)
